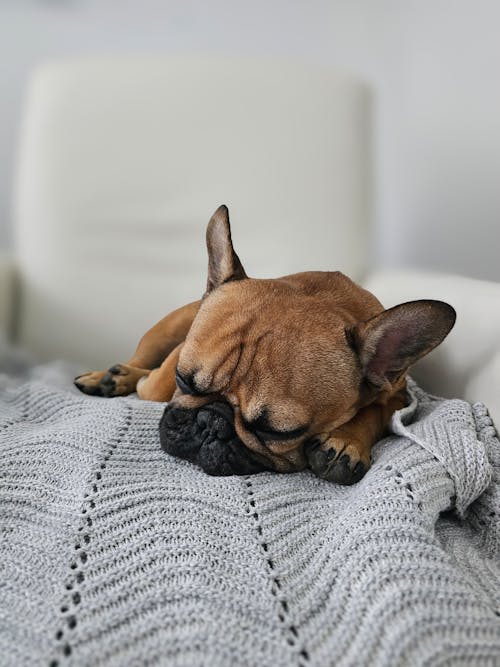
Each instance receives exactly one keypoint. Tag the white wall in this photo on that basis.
(434, 64)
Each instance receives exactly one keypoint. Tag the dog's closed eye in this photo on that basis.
(261, 427)
(187, 384)
(271, 434)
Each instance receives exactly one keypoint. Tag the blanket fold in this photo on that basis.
(448, 431)
(115, 554)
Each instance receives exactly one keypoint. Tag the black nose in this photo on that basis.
(220, 408)
(206, 436)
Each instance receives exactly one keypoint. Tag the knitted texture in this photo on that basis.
(116, 554)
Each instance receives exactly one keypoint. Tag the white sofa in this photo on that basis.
(122, 161)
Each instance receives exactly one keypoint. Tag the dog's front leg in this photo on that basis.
(154, 348)
(344, 456)
(160, 383)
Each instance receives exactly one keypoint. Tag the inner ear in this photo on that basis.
(389, 343)
(223, 263)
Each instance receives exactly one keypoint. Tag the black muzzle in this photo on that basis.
(206, 436)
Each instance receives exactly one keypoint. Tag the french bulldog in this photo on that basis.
(283, 374)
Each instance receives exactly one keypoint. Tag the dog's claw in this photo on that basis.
(108, 385)
(90, 390)
(342, 465)
(358, 471)
(118, 380)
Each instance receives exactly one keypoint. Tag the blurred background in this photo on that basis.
(360, 135)
(433, 65)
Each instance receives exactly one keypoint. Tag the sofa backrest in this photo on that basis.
(122, 162)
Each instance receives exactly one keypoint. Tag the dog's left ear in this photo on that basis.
(389, 343)
(223, 263)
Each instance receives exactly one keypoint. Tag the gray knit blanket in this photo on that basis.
(115, 554)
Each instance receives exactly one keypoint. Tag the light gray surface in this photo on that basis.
(116, 554)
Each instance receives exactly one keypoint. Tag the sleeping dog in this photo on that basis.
(283, 374)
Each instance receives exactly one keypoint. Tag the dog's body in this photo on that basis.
(282, 374)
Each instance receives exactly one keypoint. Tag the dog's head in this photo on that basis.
(271, 366)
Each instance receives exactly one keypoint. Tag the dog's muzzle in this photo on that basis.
(206, 436)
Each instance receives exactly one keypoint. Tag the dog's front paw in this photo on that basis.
(119, 380)
(90, 383)
(340, 459)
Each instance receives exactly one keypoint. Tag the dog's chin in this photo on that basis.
(206, 436)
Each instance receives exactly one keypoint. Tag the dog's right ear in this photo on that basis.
(223, 263)
(389, 343)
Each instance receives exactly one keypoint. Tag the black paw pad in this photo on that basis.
(108, 385)
(324, 464)
(319, 459)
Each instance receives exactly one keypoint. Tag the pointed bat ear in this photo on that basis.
(223, 263)
(390, 342)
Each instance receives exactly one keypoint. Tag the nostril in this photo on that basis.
(202, 418)
(222, 409)
(172, 417)
(224, 429)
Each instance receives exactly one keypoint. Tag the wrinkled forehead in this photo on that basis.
(215, 340)
(265, 345)
(255, 307)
